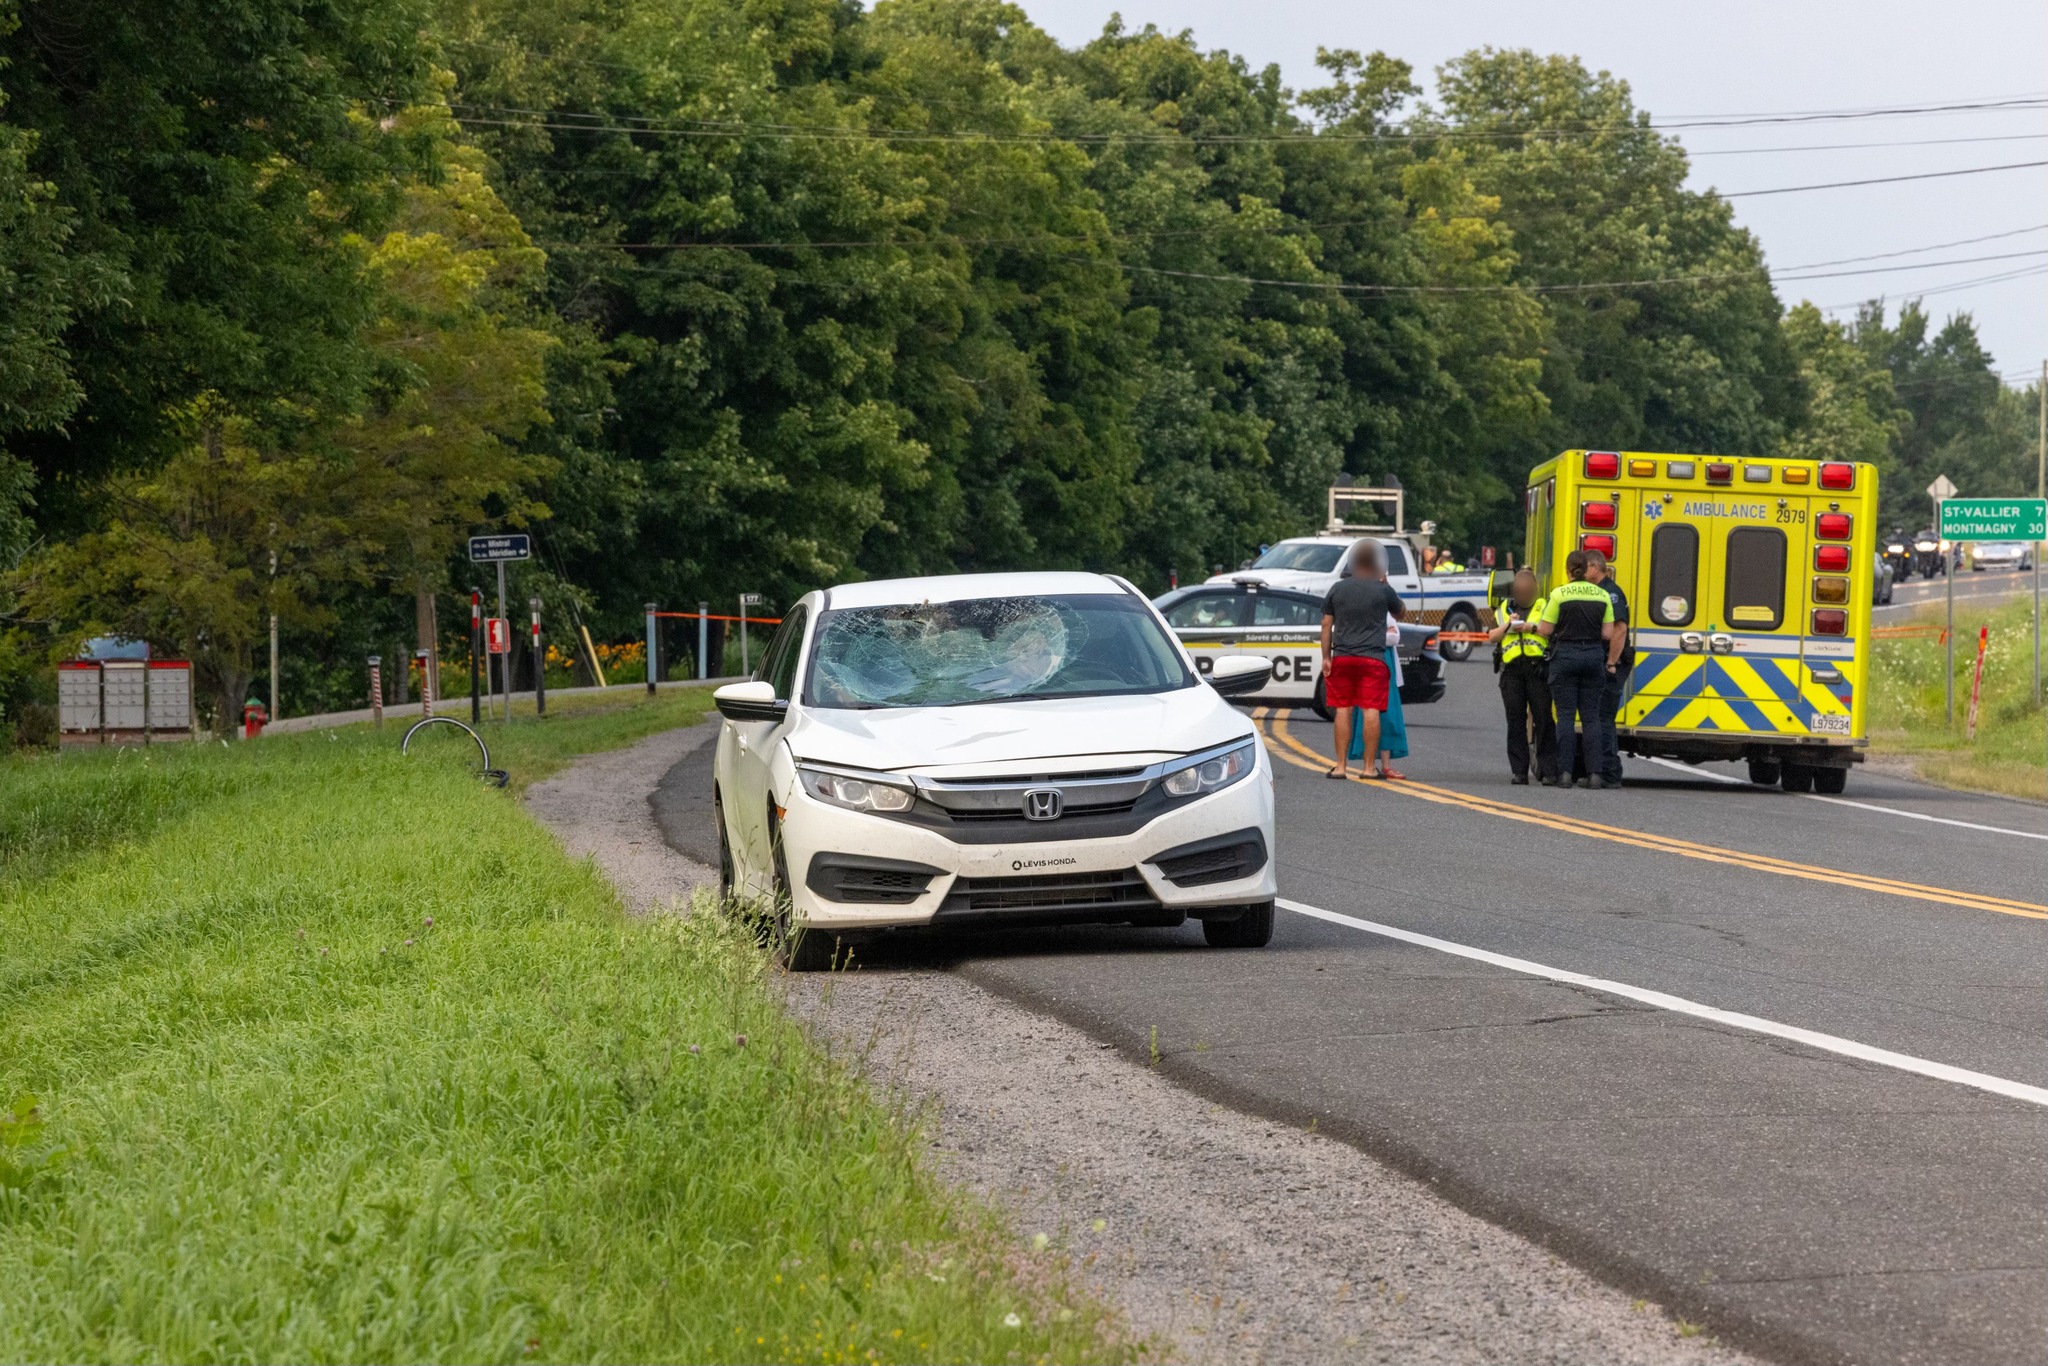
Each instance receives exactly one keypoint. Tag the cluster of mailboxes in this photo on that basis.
(124, 701)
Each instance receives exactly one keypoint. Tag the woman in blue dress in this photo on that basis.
(1393, 729)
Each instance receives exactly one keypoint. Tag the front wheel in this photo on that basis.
(1251, 930)
(725, 869)
(1460, 621)
(796, 947)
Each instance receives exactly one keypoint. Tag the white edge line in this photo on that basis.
(1830, 1043)
(1864, 806)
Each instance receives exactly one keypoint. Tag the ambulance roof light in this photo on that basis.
(1835, 475)
(1756, 474)
(1603, 465)
(1797, 474)
(1642, 469)
(1719, 472)
(1679, 469)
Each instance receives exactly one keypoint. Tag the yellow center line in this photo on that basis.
(1275, 726)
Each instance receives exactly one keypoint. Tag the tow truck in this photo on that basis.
(1454, 603)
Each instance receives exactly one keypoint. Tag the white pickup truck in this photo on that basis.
(1310, 564)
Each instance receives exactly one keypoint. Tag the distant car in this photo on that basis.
(1244, 617)
(984, 750)
(1882, 594)
(2002, 556)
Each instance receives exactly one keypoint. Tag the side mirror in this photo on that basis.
(1236, 675)
(753, 700)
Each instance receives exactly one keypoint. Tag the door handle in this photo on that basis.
(1691, 643)
(1721, 644)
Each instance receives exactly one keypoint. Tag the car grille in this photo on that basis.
(1057, 893)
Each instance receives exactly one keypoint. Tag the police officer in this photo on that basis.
(1621, 660)
(1578, 621)
(1518, 657)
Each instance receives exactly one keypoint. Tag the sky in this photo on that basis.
(1683, 58)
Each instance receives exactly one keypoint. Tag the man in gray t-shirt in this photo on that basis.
(1355, 672)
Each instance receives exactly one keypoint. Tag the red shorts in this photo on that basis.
(1357, 681)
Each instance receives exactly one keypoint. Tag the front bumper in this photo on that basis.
(913, 875)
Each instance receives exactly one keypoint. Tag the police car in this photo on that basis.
(1243, 615)
(1455, 602)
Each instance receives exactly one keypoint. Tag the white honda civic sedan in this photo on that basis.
(989, 750)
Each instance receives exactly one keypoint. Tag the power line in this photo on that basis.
(1697, 152)
(1882, 180)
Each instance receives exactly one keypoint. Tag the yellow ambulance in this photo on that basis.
(1749, 585)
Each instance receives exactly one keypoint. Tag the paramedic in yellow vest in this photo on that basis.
(1519, 657)
(1578, 624)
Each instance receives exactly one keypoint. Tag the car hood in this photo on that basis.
(1143, 728)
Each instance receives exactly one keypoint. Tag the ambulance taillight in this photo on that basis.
(1830, 621)
(1837, 476)
(1832, 526)
(1599, 516)
(1831, 559)
(1603, 544)
(1603, 465)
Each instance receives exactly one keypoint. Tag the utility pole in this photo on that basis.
(2040, 491)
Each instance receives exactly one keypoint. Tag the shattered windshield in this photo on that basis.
(990, 650)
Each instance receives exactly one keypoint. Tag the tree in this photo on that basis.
(1851, 410)
(195, 557)
(460, 378)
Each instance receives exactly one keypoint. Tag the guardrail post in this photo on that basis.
(653, 644)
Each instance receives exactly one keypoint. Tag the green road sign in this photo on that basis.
(1994, 519)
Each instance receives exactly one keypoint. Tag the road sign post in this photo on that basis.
(505, 659)
(476, 654)
(502, 550)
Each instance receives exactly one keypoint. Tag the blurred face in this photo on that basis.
(1523, 591)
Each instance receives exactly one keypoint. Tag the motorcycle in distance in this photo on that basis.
(1898, 553)
(1927, 557)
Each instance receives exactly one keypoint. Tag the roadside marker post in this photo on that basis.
(540, 664)
(746, 600)
(653, 638)
(1977, 682)
(377, 690)
(703, 639)
(476, 653)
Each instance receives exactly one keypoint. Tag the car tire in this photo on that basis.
(1457, 651)
(1765, 772)
(1251, 930)
(798, 949)
(725, 866)
(1322, 703)
(1797, 778)
(1830, 782)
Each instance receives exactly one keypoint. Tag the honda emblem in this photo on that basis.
(1043, 804)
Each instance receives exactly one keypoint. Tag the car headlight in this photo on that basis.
(1220, 770)
(855, 794)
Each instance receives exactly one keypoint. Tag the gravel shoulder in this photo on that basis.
(1222, 1236)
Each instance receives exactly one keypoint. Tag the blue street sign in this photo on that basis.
(491, 549)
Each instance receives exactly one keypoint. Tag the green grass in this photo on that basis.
(1906, 714)
(317, 1053)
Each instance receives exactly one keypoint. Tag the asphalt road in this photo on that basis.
(1971, 587)
(1795, 1177)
